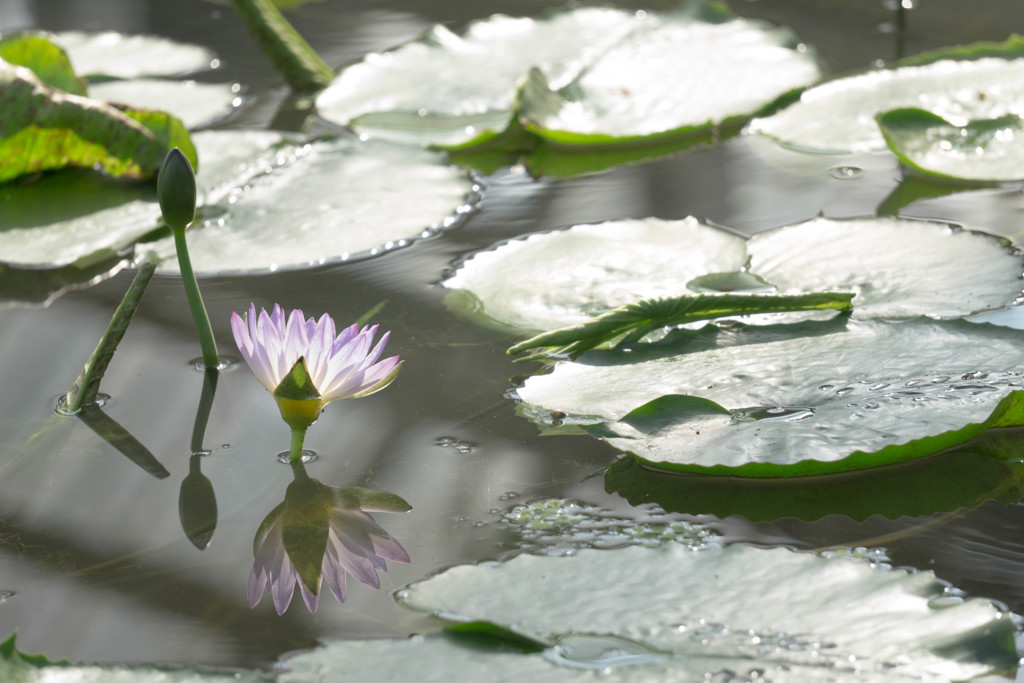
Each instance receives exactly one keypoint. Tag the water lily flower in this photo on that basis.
(306, 365)
(322, 532)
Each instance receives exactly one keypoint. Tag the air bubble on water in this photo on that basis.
(5, 596)
(308, 456)
(772, 414)
(61, 409)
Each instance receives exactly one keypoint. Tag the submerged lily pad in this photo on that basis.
(600, 75)
(989, 151)
(118, 55)
(896, 268)
(670, 613)
(302, 205)
(983, 81)
(764, 402)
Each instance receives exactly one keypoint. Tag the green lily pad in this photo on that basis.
(266, 201)
(595, 76)
(45, 129)
(670, 613)
(118, 55)
(19, 667)
(783, 404)
(196, 104)
(304, 205)
(989, 151)
(983, 81)
(896, 268)
(45, 59)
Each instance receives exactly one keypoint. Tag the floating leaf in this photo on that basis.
(306, 205)
(670, 613)
(45, 59)
(266, 201)
(196, 104)
(896, 268)
(873, 394)
(45, 129)
(117, 55)
(989, 151)
(634, 321)
(19, 667)
(594, 76)
(981, 81)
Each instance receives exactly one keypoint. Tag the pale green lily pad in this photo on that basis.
(989, 151)
(787, 403)
(306, 205)
(117, 55)
(896, 268)
(613, 75)
(839, 115)
(266, 201)
(670, 613)
(196, 104)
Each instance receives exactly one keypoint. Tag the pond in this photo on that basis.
(94, 564)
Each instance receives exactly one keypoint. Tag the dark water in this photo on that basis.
(90, 543)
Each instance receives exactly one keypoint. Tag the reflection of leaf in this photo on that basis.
(117, 436)
(870, 394)
(46, 129)
(19, 286)
(633, 321)
(945, 482)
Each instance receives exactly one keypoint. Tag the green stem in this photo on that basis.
(299, 63)
(295, 453)
(83, 392)
(195, 301)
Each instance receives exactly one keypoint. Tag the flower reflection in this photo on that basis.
(322, 532)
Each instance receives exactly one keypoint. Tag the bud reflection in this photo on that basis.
(320, 533)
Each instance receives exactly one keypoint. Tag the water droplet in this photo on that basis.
(878, 387)
(203, 453)
(457, 445)
(871, 405)
(600, 652)
(844, 391)
(944, 601)
(284, 457)
(826, 387)
(226, 364)
(772, 414)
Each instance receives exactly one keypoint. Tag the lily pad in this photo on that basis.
(266, 201)
(982, 81)
(896, 268)
(989, 151)
(670, 613)
(45, 59)
(196, 104)
(118, 55)
(302, 205)
(600, 76)
(777, 404)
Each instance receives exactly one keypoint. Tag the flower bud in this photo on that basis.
(176, 190)
(297, 398)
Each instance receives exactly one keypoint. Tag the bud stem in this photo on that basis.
(195, 301)
(295, 453)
